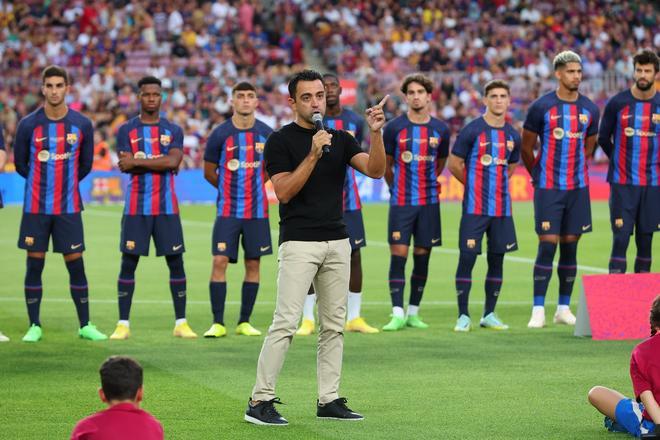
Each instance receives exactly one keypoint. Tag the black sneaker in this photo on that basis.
(336, 410)
(264, 413)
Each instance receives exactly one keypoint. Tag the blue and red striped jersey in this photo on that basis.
(416, 149)
(239, 156)
(563, 128)
(53, 156)
(630, 136)
(487, 152)
(353, 123)
(150, 193)
(2, 147)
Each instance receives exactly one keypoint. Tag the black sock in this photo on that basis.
(418, 278)
(643, 260)
(248, 297)
(566, 271)
(126, 284)
(218, 293)
(33, 289)
(397, 279)
(618, 255)
(493, 281)
(543, 270)
(177, 284)
(466, 262)
(79, 291)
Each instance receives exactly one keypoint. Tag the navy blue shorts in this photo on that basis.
(634, 207)
(421, 221)
(562, 212)
(355, 229)
(501, 234)
(66, 230)
(254, 233)
(137, 230)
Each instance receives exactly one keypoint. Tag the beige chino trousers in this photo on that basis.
(327, 265)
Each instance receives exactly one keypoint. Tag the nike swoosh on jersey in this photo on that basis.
(41, 139)
(232, 148)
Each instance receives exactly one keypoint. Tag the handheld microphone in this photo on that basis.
(318, 123)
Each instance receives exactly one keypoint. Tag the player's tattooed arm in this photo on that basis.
(527, 150)
(456, 166)
(211, 173)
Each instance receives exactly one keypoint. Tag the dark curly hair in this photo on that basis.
(654, 318)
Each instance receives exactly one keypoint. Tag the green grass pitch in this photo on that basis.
(410, 384)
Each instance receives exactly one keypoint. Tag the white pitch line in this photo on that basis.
(450, 251)
(259, 303)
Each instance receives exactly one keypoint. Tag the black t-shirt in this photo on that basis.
(315, 213)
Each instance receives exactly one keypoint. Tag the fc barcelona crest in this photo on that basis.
(222, 246)
(130, 245)
(396, 235)
(545, 226)
(434, 142)
(71, 138)
(29, 241)
(165, 139)
(471, 243)
(584, 118)
(656, 118)
(509, 145)
(618, 222)
(259, 147)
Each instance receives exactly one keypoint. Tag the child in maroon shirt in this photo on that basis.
(641, 415)
(121, 388)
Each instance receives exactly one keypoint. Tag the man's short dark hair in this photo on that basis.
(496, 84)
(145, 80)
(243, 86)
(418, 78)
(304, 75)
(121, 378)
(54, 70)
(647, 56)
(654, 318)
(331, 75)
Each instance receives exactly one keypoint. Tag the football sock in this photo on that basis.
(126, 284)
(543, 270)
(79, 291)
(566, 270)
(493, 281)
(466, 262)
(177, 284)
(413, 310)
(308, 307)
(248, 297)
(33, 289)
(618, 256)
(397, 280)
(643, 260)
(218, 293)
(354, 303)
(418, 278)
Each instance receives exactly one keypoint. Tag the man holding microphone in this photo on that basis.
(314, 247)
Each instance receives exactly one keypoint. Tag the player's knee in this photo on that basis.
(72, 257)
(594, 393)
(220, 264)
(175, 263)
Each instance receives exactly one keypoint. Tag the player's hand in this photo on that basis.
(126, 161)
(376, 115)
(320, 139)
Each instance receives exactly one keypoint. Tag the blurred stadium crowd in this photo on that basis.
(202, 48)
